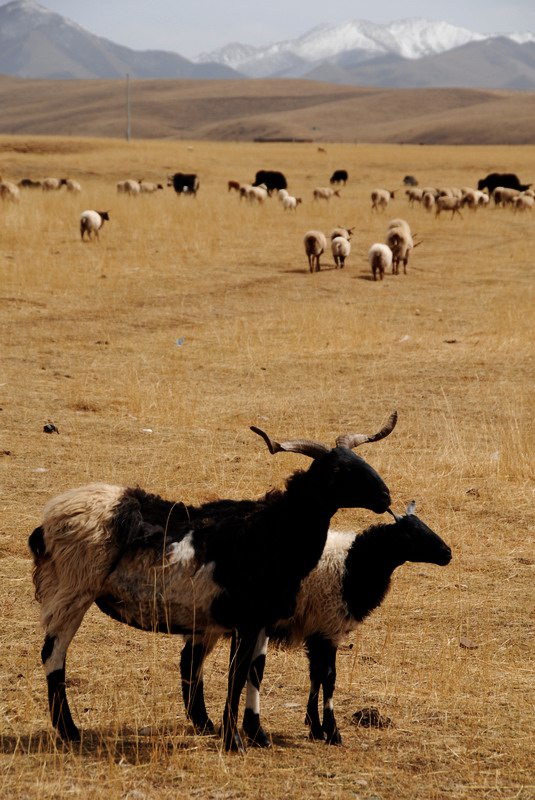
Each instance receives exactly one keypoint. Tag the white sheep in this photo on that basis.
(148, 187)
(414, 195)
(503, 196)
(399, 240)
(282, 193)
(523, 202)
(254, 194)
(381, 198)
(129, 187)
(428, 200)
(9, 191)
(325, 193)
(91, 222)
(448, 203)
(52, 184)
(315, 244)
(72, 186)
(346, 233)
(341, 248)
(290, 203)
(380, 258)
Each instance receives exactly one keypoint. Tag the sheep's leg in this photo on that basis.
(53, 657)
(251, 717)
(312, 719)
(241, 654)
(191, 671)
(328, 680)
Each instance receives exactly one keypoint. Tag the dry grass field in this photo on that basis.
(155, 349)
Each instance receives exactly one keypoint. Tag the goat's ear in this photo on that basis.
(411, 508)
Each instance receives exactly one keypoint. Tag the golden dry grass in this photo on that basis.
(89, 341)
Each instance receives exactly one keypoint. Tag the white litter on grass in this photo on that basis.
(146, 430)
(40, 469)
(405, 338)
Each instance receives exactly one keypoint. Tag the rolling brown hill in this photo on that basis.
(266, 109)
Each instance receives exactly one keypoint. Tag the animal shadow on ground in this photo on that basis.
(121, 744)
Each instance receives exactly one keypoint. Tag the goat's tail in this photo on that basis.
(37, 545)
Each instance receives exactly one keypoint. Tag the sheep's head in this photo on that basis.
(345, 478)
(417, 542)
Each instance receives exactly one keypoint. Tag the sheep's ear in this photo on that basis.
(411, 508)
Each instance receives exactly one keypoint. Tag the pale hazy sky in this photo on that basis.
(189, 27)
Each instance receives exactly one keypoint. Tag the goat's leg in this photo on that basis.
(57, 639)
(241, 653)
(251, 717)
(192, 660)
(312, 718)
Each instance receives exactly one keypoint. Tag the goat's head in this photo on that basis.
(417, 542)
(345, 478)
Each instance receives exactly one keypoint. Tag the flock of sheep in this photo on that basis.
(504, 189)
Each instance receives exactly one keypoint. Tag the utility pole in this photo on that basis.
(128, 127)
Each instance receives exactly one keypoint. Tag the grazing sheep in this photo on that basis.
(399, 240)
(29, 183)
(380, 258)
(91, 222)
(504, 196)
(233, 186)
(257, 194)
(149, 187)
(272, 179)
(315, 244)
(339, 176)
(506, 179)
(346, 233)
(168, 567)
(325, 193)
(52, 184)
(290, 203)
(350, 581)
(414, 195)
(184, 183)
(428, 200)
(523, 202)
(381, 198)
(9, 191)
(282, 193)
(129, 187)
(340, 248)
(72, 186)
(474, 198)
(447, 203)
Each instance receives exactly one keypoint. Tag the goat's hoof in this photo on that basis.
(258, 738)
(233, 743)
(69, 734)
(204, 728)
(334, 738)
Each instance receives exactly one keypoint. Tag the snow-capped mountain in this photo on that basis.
(407, 38)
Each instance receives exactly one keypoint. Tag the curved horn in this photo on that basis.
(354, 439)
(303, 446)
(396, 516)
